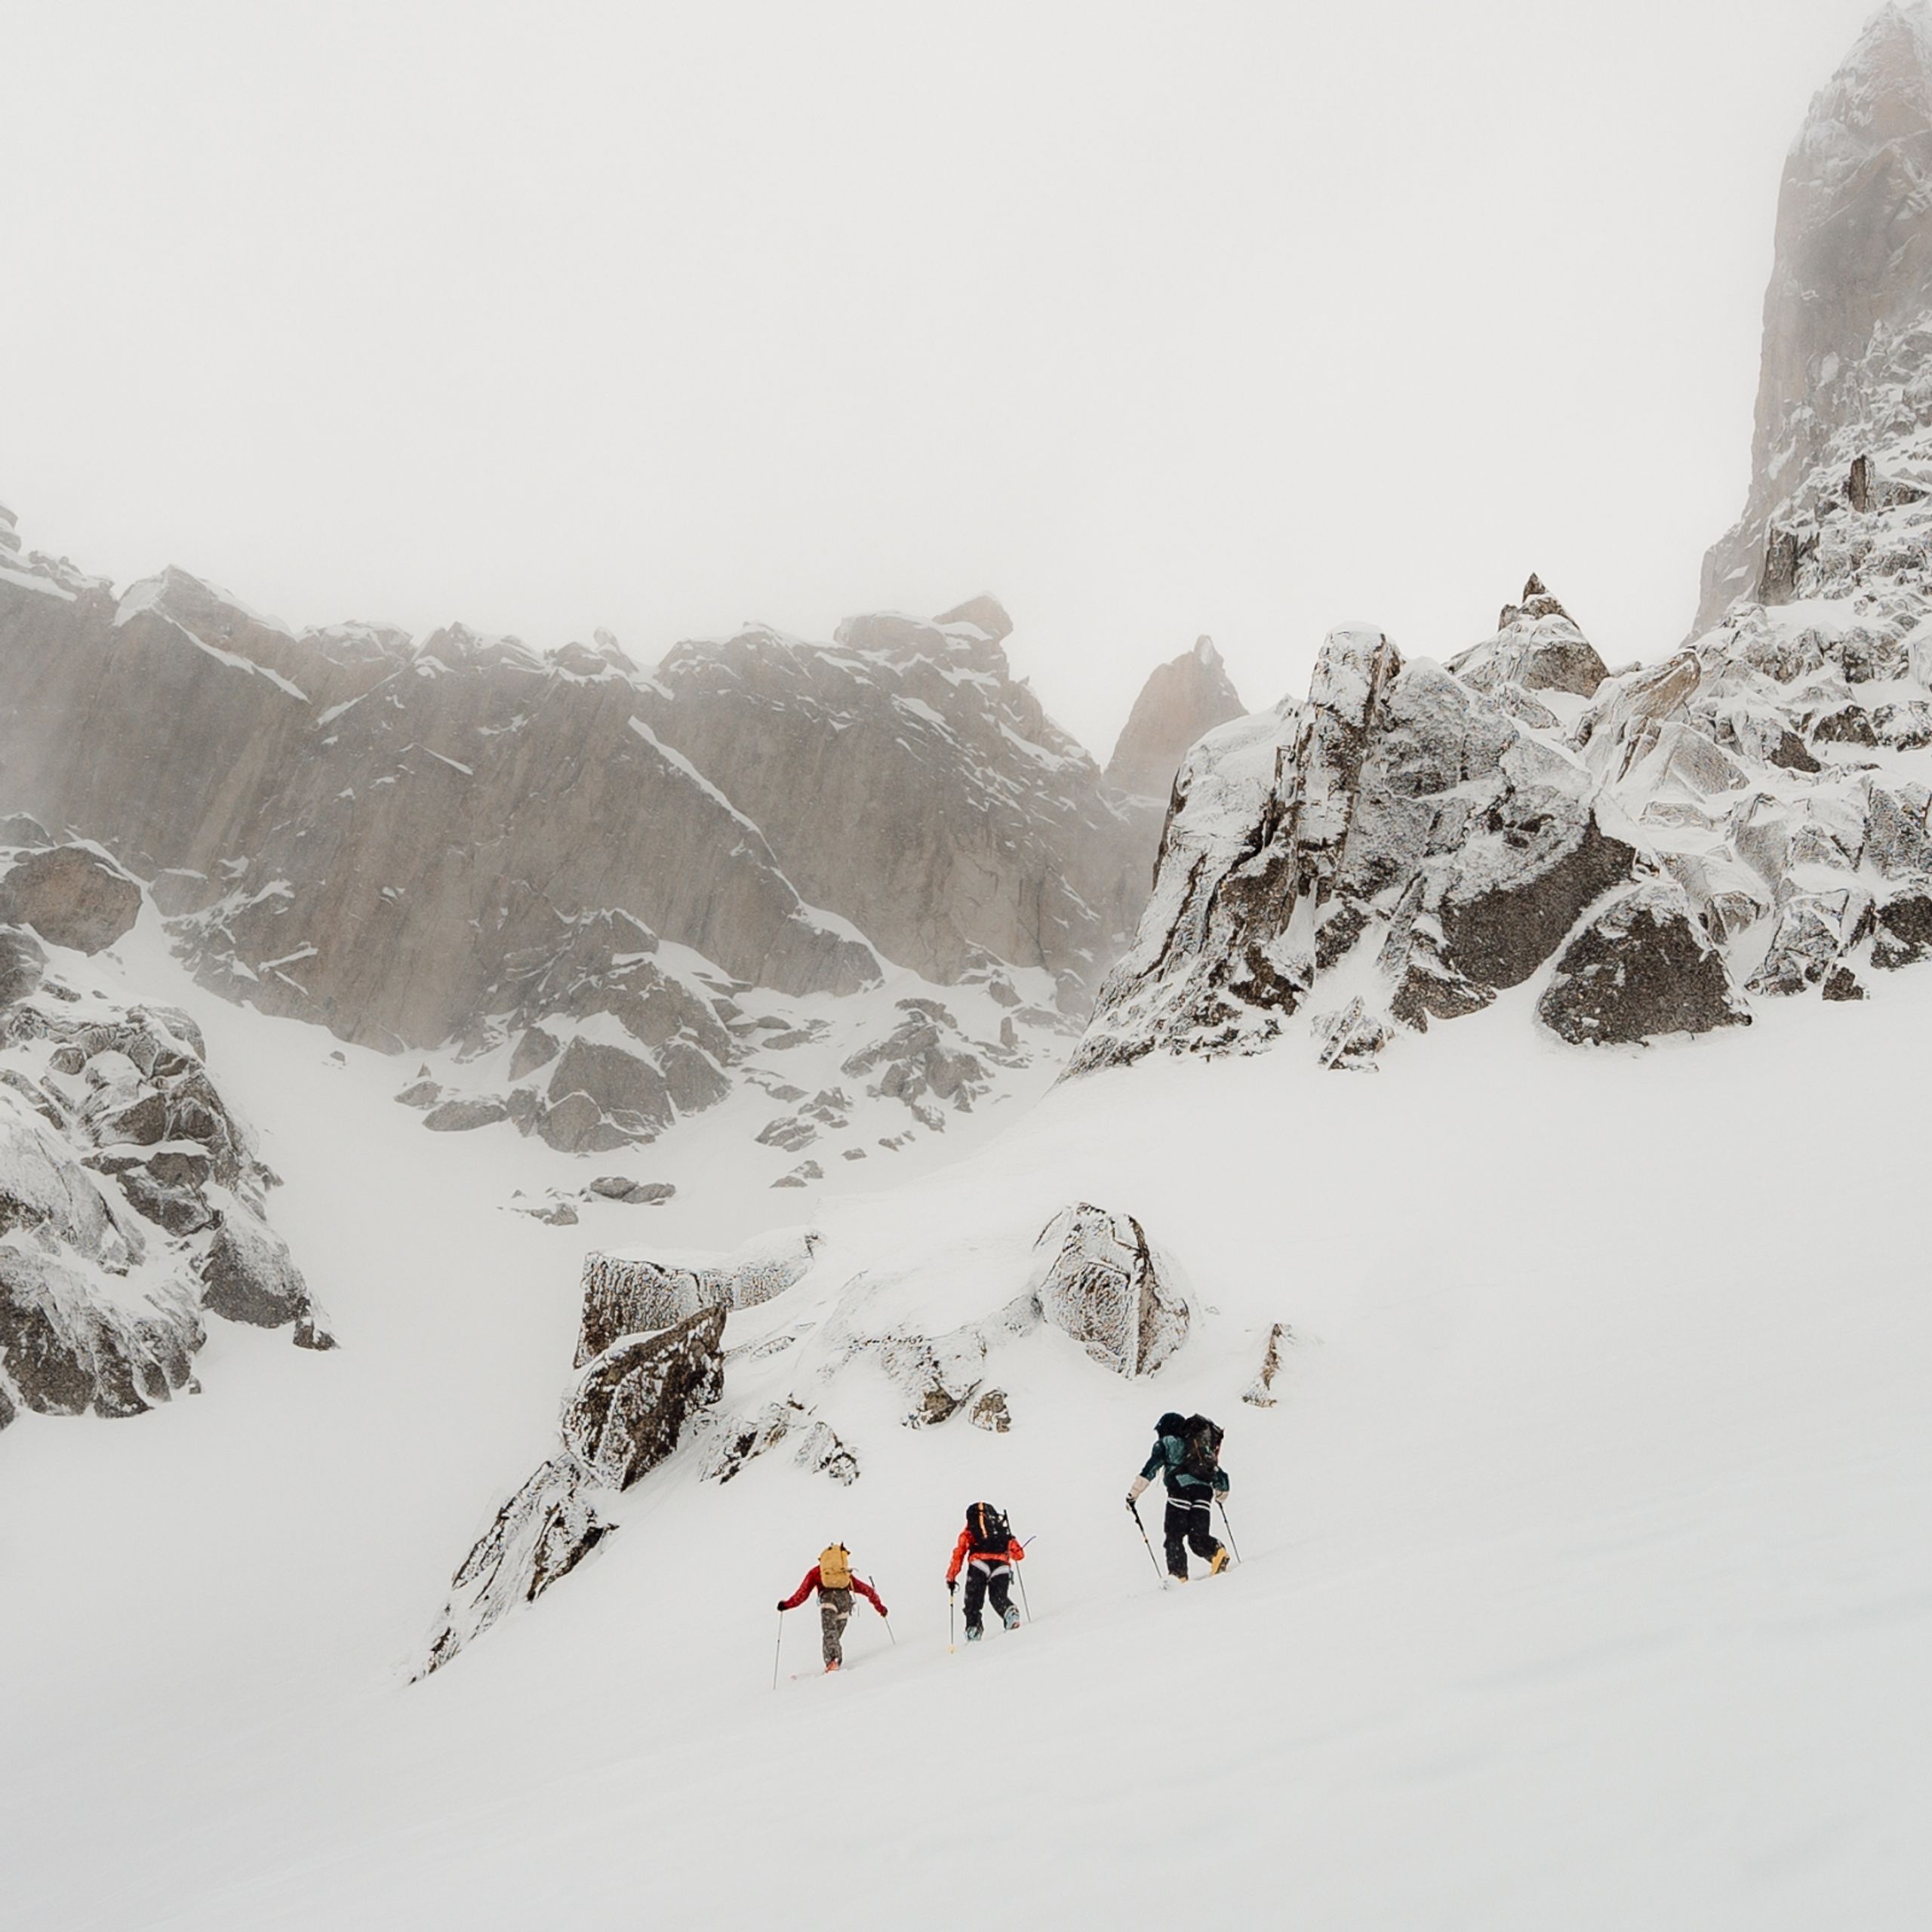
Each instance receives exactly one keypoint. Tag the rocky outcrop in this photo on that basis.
(1537, 647)
(1640, 968)
(1181, 702)
(629, 1295)
(74, 896)
(541, 1534)
(631, 1405)
(626, 1413)
(1259, 1394)
(1400, 833)
(1100, 1282)
(132, 1202)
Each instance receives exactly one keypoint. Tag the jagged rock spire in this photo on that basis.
(1180, 701)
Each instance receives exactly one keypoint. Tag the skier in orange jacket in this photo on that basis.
(987, 1547)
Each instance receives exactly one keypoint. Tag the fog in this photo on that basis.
(1151, 320)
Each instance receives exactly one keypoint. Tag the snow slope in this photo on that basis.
(1586, 1577)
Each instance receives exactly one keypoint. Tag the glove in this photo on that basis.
(951, 1585)
(781, 1605)
(883, 1611)
(1135, 1490)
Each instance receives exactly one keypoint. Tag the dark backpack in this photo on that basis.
(1200, 1448)
(987, 1527)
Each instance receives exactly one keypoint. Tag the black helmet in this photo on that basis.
(1171, 1424)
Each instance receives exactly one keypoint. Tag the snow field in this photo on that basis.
(1587, 1580)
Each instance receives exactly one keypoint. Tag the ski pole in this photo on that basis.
(1021, 1580)
(1134, 1510)
(882, 1617)
(951, 1646)
(778, 1649)
(1230, 1528)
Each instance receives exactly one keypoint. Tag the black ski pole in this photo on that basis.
(1134, 1510)
(951, 1645)
(778, 1649)
(1230, 1528)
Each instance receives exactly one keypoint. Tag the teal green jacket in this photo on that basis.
(1165, 1463)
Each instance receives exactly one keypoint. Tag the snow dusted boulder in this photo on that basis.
(1100, 1282)
(1640, 968)
(248, 1276)
(72, 895)
(1181, 702)
(624, 1087)
(631, 1405)
(630, 1295)
(542, 1534)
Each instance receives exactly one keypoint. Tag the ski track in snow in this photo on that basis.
(1587, 1582)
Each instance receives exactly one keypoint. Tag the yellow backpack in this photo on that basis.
(834, 1567)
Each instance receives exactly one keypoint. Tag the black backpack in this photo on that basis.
(1200, 1448)
(987, 1527)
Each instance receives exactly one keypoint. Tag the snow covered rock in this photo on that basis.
(1640, 968)
(1181, 701)
(1100, 1282)
(730, 1442)
(632, 1404)
(1537, 647)
(247, 1275)
(1402, 836)
(629, 1295)
(542, 1534)
(71, 895)
(66, 1348)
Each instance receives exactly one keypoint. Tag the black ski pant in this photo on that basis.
(984, 1579)
(1189, 1525)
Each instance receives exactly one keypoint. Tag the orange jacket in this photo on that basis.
(1014, 1553)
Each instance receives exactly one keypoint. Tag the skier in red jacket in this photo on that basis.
(987, 1548)
(834, 1579)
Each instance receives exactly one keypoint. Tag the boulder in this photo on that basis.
(247, 1275)
(622, 1083)
(625, 1295)
(1098, 1280)
(72, 895)
(542, 1534)
(462, 1115)
(632, 1404)
(1642, 967)
(1260, 1393)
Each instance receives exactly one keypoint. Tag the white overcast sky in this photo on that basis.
(1150, 319)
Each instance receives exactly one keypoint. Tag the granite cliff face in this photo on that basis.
(401, 839)
(1847, 316)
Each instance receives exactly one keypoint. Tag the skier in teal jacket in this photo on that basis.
(1187, 1457)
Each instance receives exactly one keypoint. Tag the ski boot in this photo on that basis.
(1220, 1561)
(1010, 1617)
(832, 1666)
(974, 1633)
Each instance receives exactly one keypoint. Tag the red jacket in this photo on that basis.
(1013, 1554)
(812, 1582)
